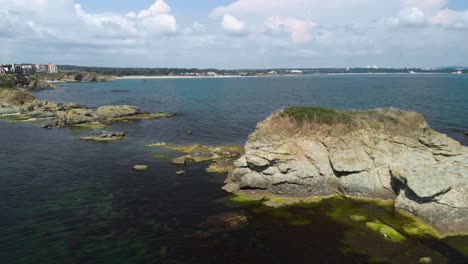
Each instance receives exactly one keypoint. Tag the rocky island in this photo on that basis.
(310, 153)
(24, 106)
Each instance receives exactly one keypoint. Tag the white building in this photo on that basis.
(49, 68)
(297, 71)
(7, 68)
(52, 68)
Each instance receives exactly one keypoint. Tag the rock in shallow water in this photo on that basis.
(179, 161)
(381, 154)
(140, 167)
(105, 136)
(222, 223)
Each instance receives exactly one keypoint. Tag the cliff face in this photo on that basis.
(379, 154)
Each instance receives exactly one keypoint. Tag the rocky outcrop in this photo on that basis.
(11, 100)
(379, 154)
(222, 158)
(39, 85)
(105, 136)
(75, 114)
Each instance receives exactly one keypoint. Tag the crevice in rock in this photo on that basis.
(381, 183)
(250, 188)
(258, 169)
(340, 174)
(287, 182)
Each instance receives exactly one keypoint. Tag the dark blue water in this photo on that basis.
(68, 201)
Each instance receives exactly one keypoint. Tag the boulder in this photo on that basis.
(179, 161)
(383, 154)
(106, 112)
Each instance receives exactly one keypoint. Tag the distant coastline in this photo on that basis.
(142, 77)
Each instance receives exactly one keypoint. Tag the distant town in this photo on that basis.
(28, 69)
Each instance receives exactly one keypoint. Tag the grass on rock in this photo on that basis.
(389, 119)
(317, 115)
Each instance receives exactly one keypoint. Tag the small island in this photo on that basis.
(303, 154)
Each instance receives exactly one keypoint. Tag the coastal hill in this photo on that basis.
(385, 154)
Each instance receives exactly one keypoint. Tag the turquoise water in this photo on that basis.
(67, 201)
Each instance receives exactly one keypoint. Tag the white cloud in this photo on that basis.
(428, 6)
(232, 25)
(451, 19)
(159, 7)
(160, 24)
(410, 16)
(299, 30)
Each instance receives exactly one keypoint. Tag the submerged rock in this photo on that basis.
(465, 132)
(222, 223)
(380, 154)
(140, 167)
(105, 136)
(425, 260)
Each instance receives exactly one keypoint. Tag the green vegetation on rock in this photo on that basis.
(386, 231)
(245, 199)
(389, 119)
(317, 115)
(90, 126)
(358, 218)
(7, 81)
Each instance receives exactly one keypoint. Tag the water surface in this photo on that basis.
(67, 201)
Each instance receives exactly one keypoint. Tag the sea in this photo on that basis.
(63, 200)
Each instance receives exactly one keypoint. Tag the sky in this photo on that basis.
(234, 34)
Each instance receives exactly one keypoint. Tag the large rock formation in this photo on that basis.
(380, 154)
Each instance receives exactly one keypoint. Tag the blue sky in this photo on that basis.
(235, 33)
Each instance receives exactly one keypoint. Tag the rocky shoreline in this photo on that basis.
(309, 154)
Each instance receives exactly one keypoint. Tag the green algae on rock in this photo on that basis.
(90, 126)
(358, 218)
(245, 199)
(386, 231)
